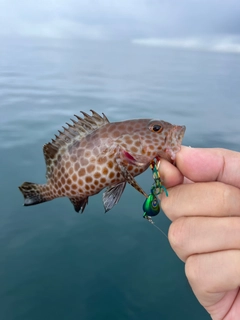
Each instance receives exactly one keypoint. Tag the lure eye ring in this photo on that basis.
(155, 203)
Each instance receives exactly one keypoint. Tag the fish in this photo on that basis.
(92, 154)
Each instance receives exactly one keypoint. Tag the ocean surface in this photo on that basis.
(55, 263)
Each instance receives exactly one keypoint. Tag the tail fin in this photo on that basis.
(35, 193)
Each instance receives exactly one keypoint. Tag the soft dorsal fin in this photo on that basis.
(76, 131)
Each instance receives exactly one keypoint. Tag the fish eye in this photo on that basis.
(157, 128)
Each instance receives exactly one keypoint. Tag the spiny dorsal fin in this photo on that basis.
(76, 131)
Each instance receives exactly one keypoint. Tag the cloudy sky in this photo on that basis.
(151, 22)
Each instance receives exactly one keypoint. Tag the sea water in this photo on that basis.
(55, 263)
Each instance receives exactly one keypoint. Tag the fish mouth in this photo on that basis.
(174, 141)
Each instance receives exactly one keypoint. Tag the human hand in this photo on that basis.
(204, 206)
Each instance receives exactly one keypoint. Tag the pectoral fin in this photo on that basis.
(112, 195)
(129, 178)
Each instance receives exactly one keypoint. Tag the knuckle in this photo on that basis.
(165, 203)
(192, 270)
(196, 274)
(170, 204)
(177, 235)
(225, 196)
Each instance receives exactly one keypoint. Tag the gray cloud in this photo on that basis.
(114, 19)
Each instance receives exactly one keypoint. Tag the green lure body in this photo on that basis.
(151, 206)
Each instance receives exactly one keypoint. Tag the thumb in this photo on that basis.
(209, 165)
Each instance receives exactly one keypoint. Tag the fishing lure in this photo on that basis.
(151, 206)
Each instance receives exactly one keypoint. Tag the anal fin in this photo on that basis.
(112, 195)
(79, 204)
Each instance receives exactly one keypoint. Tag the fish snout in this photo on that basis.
(174, 140)
(179, 133)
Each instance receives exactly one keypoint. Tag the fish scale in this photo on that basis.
(92, 154)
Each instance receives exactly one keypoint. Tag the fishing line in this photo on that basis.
(160, 230)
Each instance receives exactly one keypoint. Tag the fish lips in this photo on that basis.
(174, 140)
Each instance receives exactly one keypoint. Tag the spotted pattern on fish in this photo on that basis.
(92, 154)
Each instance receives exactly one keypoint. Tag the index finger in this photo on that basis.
(213, 199)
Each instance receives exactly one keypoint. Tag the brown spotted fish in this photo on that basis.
(92, 154)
